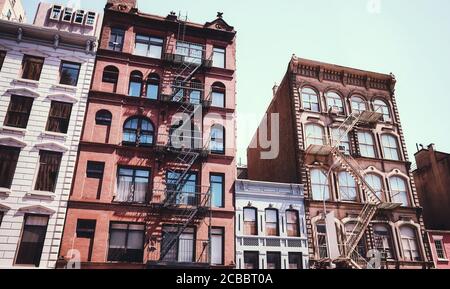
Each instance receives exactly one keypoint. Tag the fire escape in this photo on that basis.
(332, 151)
(188, 204)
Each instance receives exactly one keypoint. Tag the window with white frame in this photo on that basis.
(79, 17)
(314, 135)
(334, 101)
(310, 100)
(366, 144)
(319, 185)
(322, 240)
(149, 46)
(68, 13)
(440, 249)
(409, 244)
(340, 136)
(90, 19)
(390, 147)
(217, 246)
(381, 107)
(358, 104)
(399, 191)
(55, 14)
(376, 183)
(347, 187)
(383, 240)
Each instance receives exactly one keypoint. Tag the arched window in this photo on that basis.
(314, 135)
(103, 117)
(292, 223)
(153, 81)
(362, 245)
(410, 245)
(250, 222)
(381, 107)
(218, 94)
(334, 101)
(399, 191)
(390, 147)
(310, 100)
(376, 183)
(218, 139)
(110, 74)
(195, 93)
(340, 136)
(272, 227)
(358, 104)
(319, 185)
(135, 88)
(347, 187)
(382, 237)
(366, 144)
(138, 131)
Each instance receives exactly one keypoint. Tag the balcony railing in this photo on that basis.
(187, 251)
(188, 53)
(184, 140)
(183, 196)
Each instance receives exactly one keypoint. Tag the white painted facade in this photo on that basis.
(12, 10)
(21, 198)
(262, 196)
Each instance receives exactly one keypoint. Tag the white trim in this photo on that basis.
(23, 91)
(40, 210)
(23, 81)
(6, 128)
(64, 87)
(73, 58)
(63, 97)
(12, 141)
(52, 146)
(4, 208)
(5, 191)
(54, 134)
(41, 194)
(34, 52)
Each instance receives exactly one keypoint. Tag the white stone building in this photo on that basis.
(270, 226)
(45, 76)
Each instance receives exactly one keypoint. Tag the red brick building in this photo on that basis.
(432, 177)
(153, 189)
(341, 136)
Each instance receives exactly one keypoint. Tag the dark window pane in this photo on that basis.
(8, 163)
(69, 73)
(95, 170)
(251, 260)
(186, 193)
(116, 39)
(103, 117)
(86, 228)
(58, 120)
(250, 222)
(32, 241)
(217, 190)
(295, 261)
(19, 111)
(32, 67)
(273, 260)
(2, 58)
(126, 243)
(110, 74)
(272, 222)
(48, 171)
(139, 132)
(292, 224)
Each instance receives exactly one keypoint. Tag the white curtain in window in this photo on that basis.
(217, 247)
(124, 189)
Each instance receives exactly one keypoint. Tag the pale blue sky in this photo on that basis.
(409, 38)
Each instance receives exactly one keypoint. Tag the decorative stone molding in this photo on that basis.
(12, 141)
(39, 210)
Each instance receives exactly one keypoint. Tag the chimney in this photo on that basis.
(432, 147)
(275, 89)
(121, 5)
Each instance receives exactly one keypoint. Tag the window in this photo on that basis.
(32, 67)
(383, 240)
(103, 117)
(95, 170)
(86, 228)
(195, 92)
(339, 136)
(219, 57)
(314, 135)
(55, 14)
(135, 88)
(440, 249)
(69, 73)
(347, 187)
(399, 192)
(292, 223)
(192, 53)
(376, 184)
(2, 58)
(272, 228)
(138, 131)
(187, 194)
(250, 222)
(218, 139)
(59, 117)
(116, 39)
(79, 17)
(334, 101)
(273, 260)
(218, 95)
(153, 86)
(90, 20)
(310, 100)
(8, 163)
(358, 104)
(390, 147)
(319, 185)
(68, 13)
(217, 182)
(49, 163)
(409, 244)
(181, 249)
(366, 144)
(217, 248)
(361, 247)
(18, 111)
(111, 75)
(149, 46)
(32, 240)
(295, 261)
(322, 241)
(1, 217)
(251, 260)
(132, 185)
(9, 14)
(126, 243)
(381, 107)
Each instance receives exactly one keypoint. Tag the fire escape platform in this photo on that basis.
(370, 117)
(389, 206)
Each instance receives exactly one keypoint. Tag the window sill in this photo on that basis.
(65, 87)
(26, 81)
(41, 194)
(443, 260)
(5, 191)
(22, 131)
(54, 134)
